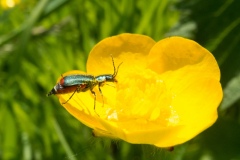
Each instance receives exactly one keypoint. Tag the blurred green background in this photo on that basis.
(41, 39)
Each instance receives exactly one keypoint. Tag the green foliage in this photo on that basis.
(40, 40)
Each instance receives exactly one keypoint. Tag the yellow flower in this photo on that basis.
(9, 3)
(167, 91)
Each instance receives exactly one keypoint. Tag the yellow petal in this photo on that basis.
(81, 105)
(196, 104)
(193, 110)
(129, 49)
(173, 53)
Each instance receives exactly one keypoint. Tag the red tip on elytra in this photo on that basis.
(61, 81)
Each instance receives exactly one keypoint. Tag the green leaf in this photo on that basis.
(231, 93)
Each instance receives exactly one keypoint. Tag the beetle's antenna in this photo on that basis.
(115, 70)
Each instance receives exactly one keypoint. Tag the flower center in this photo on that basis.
(140, 94)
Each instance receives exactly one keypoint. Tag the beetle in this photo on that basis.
(82, 83)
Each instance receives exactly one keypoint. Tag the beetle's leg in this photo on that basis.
(94, 94)
(77, 90)
(99, 88)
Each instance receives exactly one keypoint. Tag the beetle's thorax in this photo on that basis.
(105, 78)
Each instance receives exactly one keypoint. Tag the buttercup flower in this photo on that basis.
(166, 92)
(9, 3)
